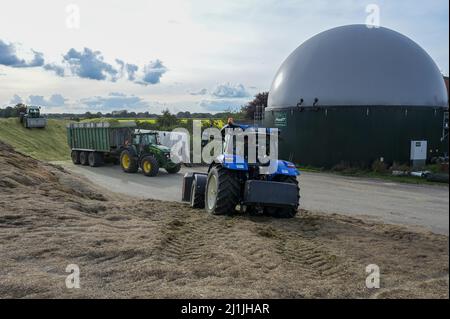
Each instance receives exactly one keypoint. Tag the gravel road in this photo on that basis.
(406, 204)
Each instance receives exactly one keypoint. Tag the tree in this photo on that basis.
(260, 100)
(167, 120)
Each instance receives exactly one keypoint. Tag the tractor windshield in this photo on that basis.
(148, 139)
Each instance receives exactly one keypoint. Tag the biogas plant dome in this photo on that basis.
(356, 65)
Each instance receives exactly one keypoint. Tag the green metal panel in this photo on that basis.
(95, 136)
(324, 137)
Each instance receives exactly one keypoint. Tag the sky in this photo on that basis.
(182, 55)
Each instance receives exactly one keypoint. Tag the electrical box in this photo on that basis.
(418, 153)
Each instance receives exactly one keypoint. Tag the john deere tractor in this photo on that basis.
(30, 116)
(146, 152)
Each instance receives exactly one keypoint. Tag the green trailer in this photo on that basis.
(119, 142)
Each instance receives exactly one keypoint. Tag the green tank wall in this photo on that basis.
(324, 137)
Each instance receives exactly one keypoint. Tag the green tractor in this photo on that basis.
(93, 143)
(147, 153)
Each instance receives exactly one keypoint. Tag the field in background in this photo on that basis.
(49, 144)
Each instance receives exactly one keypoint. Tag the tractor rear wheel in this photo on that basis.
(84, 158)
(222, 191)
(128, 162)
(284, 212)
(75, 155)
(197, 197)
(150, 166)
(95, 159)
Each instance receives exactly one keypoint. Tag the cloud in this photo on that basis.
(59, 70)
(127, 69)
(89, 64)
(54, 100)
(16, 100)
(9, 56)
(230, 91)
(220, 105)
(153, 73)
(86, 63)
(201, 92)
(115, 101)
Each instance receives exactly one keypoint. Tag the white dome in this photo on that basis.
(357, 65)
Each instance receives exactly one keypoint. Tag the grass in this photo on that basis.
(370, 174)
(49, 144)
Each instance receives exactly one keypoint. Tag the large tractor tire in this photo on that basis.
(284, 212)
(149, 166)
(75, 155)
(128, 162)
(95, 159)
(222, 191)
(197, 197)
(84, 158)
(174, 170)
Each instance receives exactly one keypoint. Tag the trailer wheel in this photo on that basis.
(197, 197)
(95, 159)
(128, 162)
(284, 212)
(174, 170)
(149, 165)
(222, 191)
(84, 158)
(75, 155)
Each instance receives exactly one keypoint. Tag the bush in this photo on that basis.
(379, 167)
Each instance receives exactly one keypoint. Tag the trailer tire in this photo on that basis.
(174, 170)
(95, 159)
(84, 158)
(75, 155)
(128, 161)
(222, 191)
(284, 212)
(149, 166)
(197, 197)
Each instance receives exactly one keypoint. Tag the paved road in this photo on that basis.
(417, 205)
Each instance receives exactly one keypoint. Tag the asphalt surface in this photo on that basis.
(398, 203)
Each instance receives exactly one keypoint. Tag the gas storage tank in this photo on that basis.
(355, 94)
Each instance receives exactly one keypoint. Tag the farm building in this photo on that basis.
(355, 94)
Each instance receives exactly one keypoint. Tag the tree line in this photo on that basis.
(246, 112)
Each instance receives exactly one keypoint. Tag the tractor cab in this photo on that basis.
(147, 138)
(33, 111)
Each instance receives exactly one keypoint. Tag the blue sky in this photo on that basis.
(193, 55)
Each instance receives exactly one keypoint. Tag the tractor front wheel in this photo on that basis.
(128, 162)
(174, 170)
(222, 191)
(150, 166)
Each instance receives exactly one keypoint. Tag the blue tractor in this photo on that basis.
(232, 180)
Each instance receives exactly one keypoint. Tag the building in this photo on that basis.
(355, 94)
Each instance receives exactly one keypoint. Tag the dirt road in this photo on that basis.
(128, 247)
(415, 205)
